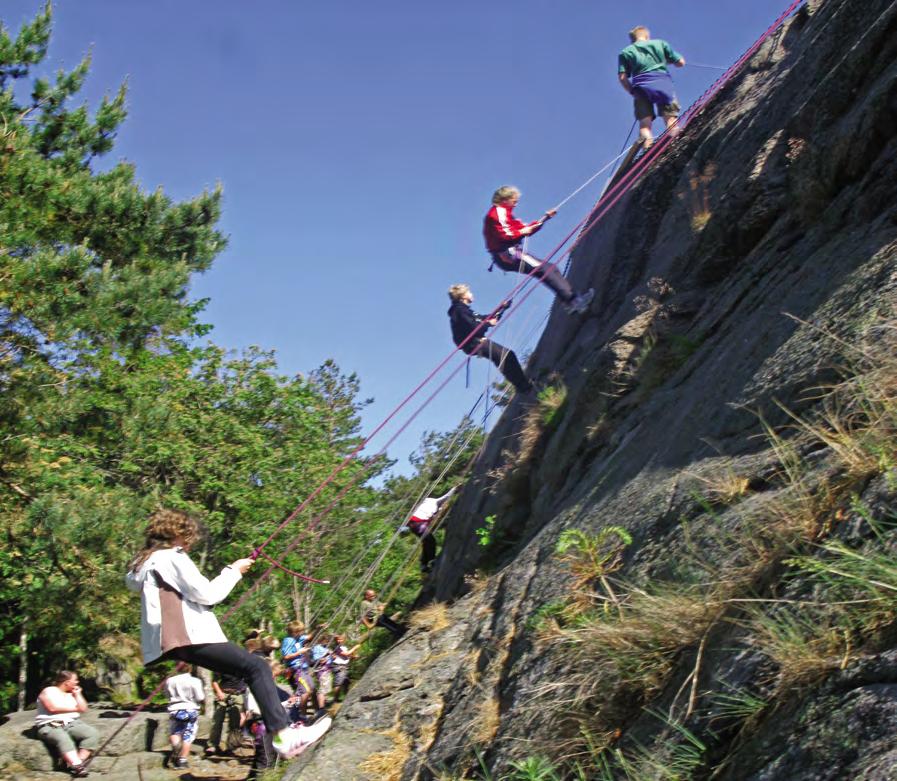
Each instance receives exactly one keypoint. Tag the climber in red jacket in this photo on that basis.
(504, 235)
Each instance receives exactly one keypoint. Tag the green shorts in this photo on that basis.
(74, 735)
(645, 108)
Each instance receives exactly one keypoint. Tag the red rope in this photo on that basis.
(292, 572)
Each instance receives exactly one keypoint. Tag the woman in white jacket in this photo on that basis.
(176, 622)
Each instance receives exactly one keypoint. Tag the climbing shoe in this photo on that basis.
(580, 303)
(292, 741)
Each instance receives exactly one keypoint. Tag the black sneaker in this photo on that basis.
(181, 762)
(78, 771)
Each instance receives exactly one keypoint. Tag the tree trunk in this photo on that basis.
(297, 603)
(23, 667)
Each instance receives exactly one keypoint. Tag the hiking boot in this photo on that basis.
(580, 303)
(292, 741)
(181, 762)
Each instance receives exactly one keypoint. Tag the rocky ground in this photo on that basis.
(139, 752)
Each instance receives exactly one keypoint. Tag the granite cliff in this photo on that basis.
(691, 565)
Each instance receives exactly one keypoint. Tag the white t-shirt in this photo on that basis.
(185, 692)
(63, 698)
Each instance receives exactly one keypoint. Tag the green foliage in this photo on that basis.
(548, 611)
(674, 757)
(737, 704)
(485, 532)
(537, 768)
(110, 405)
(551, 404)
(593, 557)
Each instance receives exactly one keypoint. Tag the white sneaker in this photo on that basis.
(580, 303)
(293, 741)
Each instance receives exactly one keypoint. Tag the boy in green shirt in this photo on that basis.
(643, 73)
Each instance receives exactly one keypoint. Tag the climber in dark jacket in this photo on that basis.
(464, 322)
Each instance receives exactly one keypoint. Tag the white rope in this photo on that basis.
(588, 181)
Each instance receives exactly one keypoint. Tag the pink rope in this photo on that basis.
(287, 570)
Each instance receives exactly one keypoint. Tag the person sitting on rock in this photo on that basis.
(465, 322)
(504, 235)
(419, 525)
(643, 74)
(185, 693)
(372, 615)
(59, 724)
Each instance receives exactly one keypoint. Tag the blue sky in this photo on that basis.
(358, 145)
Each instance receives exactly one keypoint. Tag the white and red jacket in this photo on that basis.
(501, 228)
(424, 512)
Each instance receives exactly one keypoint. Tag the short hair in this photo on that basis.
(458, 292)
(295, 627)
(505, 193)
(270, 643)
(252, 644)
(636, 32)
(62, 676)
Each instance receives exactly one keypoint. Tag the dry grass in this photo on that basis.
(637, 648)
(433, 618)
(804, 648)
(388, 765)
(538, 419)
(488, 721)
(722, 487)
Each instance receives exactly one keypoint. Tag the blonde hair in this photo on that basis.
(636, 32)
(505, 193)
(295, 627)
(458, 292)
(165, 529)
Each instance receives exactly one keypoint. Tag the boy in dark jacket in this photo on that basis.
(464, 322)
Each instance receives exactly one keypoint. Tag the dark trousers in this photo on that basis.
(230, 659)
(387, 623)
(427, 550)
(264, 757)
(515, 259)
(505, 361)
(229, 711)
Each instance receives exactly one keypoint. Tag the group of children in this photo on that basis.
(302, 666)
(643, 73)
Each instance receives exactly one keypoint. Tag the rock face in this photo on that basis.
(753, 261)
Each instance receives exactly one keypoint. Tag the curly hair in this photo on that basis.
(165, 529)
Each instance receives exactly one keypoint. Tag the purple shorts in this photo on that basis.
(651, 89)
